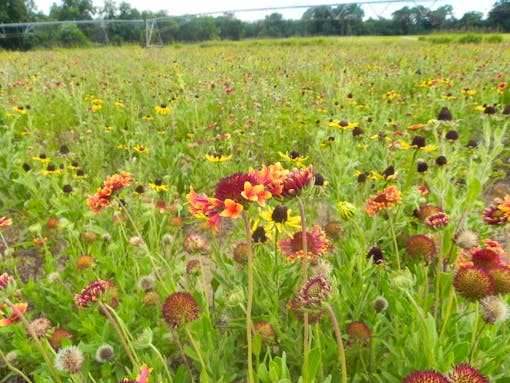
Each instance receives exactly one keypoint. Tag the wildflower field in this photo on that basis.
(314, 210)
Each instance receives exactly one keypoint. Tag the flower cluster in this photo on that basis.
(461, 373)
(92, 292)
(486, 273)
(112, 184)
(233, 193)
(498, 212)
(385, 199)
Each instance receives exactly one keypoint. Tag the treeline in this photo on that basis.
(120, 23)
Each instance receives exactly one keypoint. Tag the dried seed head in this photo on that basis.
(69, 359)
(380, 304)
(494, 309)
(105, 353)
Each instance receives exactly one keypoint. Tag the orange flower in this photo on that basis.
(8, 320)
(385, 199)
(232, 209)
(4, 221)
(255, 193)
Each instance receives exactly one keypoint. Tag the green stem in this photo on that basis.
(145, 247)
(249, 303)
(475, 341)
(451, 295)
(13, 368)
(34, 336)
(199, 354)
(394, 237)
(105, 309)
(163, 361)
(183, 356)
(304, 277)
(276, 265)
(339, 342)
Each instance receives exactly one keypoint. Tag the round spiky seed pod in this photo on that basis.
(473, 283)
(179, 308)
(58, 336)
(428, 376)
(359, 331)
(501, 278)
(464, 373)
(380, 304)
(420, 246)
(266, 331)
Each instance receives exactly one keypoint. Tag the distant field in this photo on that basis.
(210, 170)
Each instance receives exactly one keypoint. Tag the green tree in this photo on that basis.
(16, 11)
(471, 20)
(73, 10)
(349, 18)
(320, 21)
(499, 15)
(70, 36)
(441, 18)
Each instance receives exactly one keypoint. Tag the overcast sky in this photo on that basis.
(378, 8)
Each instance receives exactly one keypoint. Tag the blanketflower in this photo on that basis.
(111, 185)
(272, 177)
(4, 222)
(231, 196)
(297, 180)
(316, 244)
(385, 199)
(5, 279)
(10, 317)
(92, 292)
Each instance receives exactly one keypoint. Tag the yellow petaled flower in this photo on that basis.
(119, 104)
(96, 107)
(122, 147)
(108, 128)
(448, 96)
(148, 118)
(217, 157)
(42, 158)
(390, 95)
(140, 149)
(158, 186)
(468, 92)
(279, 219)
(97, 101)
(162, 110)
(50, 170)
(20, 110)
(480, 108)
(342, 124)
(295, 158)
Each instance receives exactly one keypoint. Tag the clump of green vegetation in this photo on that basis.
(255, 212)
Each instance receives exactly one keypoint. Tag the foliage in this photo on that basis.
(359, 129)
